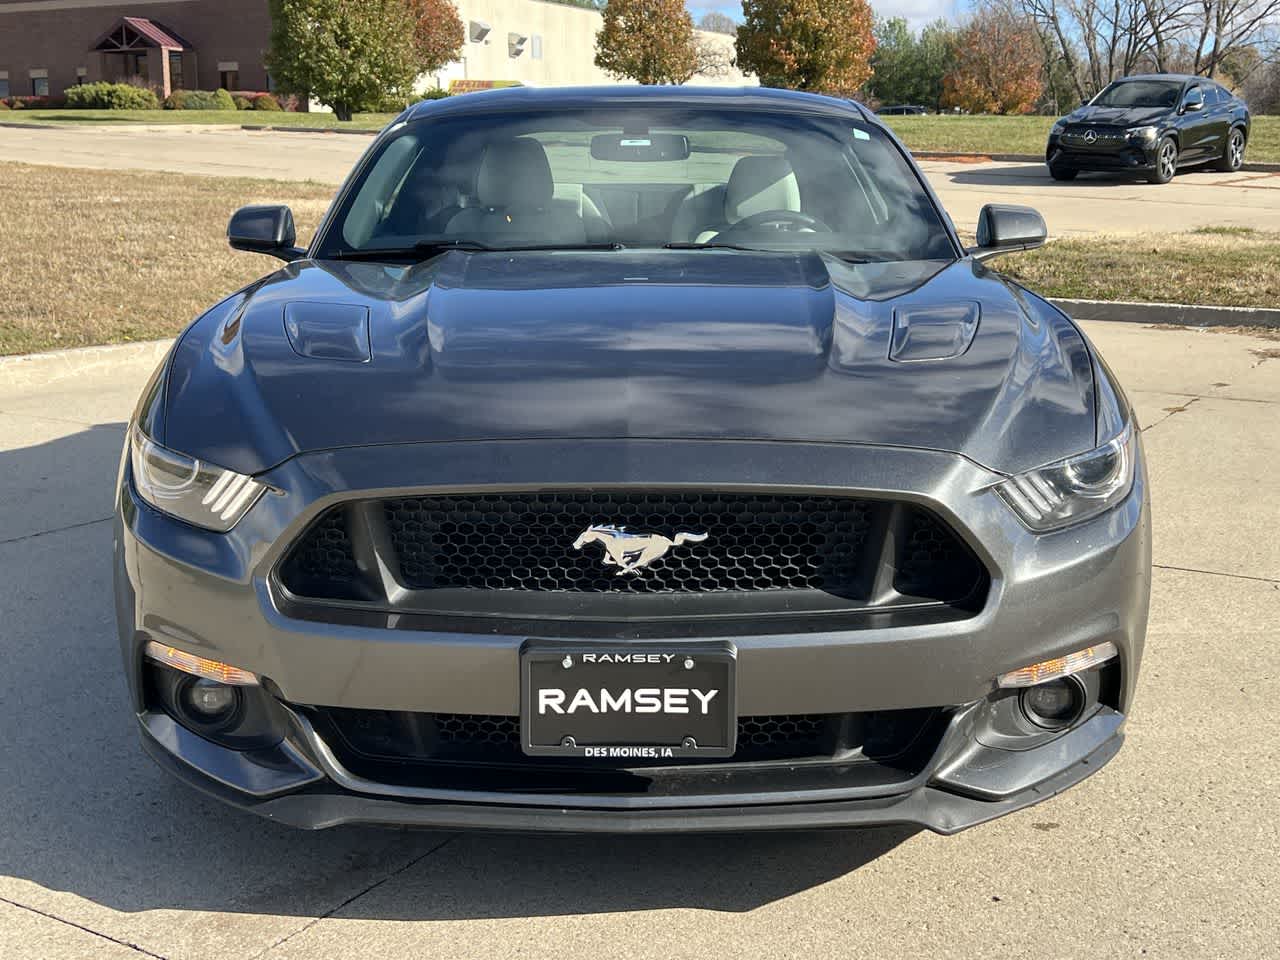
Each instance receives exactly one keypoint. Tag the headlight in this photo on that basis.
(1143, 133)
(1074, 489)
(183, 487)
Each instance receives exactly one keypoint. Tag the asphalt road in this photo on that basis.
(1092, 204)
(1170, 851)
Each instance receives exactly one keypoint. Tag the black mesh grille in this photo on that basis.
(501, 554)
(486, 738)
(322, 563)
(461, 752)
(932, 562)
(525, 541)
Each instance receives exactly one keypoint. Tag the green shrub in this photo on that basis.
(199, 100)
(436, 94)
(267, 102)
(111, 96)
(242, 103)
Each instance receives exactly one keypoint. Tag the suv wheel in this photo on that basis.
(1062, 173)
(1166, 161)
(1233, 156)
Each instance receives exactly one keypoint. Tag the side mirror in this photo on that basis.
(1004, 228)
(265, 228)
(1192, 106)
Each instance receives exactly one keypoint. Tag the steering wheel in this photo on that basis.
(788, 221)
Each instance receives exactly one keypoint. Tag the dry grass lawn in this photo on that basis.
(95, 256)
(1224, 266)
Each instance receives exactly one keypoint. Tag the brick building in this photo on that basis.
(49, 45)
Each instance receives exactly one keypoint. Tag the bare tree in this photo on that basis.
(1225, 26)
(716, 22)
(1100, 40)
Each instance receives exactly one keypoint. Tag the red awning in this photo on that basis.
(133, 33)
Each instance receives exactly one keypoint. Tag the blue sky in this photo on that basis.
(916, 12)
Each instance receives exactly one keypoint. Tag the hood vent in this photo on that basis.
(328, 331)
(933, 331)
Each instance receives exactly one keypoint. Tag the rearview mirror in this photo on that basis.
(640, 147)
(265, 228)
(1004, 228)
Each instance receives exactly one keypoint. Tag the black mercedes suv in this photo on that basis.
(1154, 124)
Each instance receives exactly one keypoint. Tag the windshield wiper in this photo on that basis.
(845, 255)
(424, 249)
(418, 251)
(605, 245)
(714, 245)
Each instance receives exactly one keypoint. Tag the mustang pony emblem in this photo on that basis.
(631, 551)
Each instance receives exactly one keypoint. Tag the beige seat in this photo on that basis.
(756, 185)
(515, 193)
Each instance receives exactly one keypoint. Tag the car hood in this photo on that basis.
(666, 344)
(1118, 116)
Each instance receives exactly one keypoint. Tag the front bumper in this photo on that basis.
(1130, 155)
(1049, 595)
(284, 784)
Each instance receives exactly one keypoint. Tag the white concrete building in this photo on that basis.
(541, 43)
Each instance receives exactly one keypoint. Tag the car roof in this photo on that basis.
(533, 98)
(1180, 77)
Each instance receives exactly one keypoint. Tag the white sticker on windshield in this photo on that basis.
(860, 134)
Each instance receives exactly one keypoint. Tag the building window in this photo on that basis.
(4, 86)
(535, 46)
(135, 65)
(40, 86)
(81, 74)
(229, 74)
(175, 71)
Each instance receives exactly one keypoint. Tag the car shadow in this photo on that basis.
(1036, 175)
(87, 814)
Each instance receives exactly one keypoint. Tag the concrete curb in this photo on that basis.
(1175, 314)
(42, 369)
(260, 128)
(1247, 167)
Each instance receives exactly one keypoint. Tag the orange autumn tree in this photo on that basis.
(438, 33)
(648, 41)
(998, 66)
(819, 45)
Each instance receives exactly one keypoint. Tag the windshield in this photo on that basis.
(1140, 93)
(637, 177)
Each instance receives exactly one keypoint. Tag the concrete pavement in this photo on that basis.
(1168, 852)
(1092, 204)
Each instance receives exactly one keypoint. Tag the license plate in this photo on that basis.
(628, 703)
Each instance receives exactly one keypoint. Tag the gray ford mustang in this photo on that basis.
(629, 460)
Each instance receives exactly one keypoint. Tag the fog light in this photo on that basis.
(1053, 705)
(209, 700)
